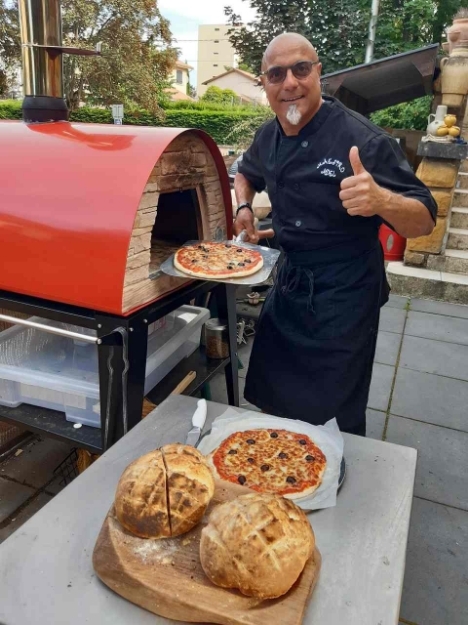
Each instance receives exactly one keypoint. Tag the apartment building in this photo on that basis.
(215, 53)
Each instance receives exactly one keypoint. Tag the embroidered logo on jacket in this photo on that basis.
(334, 166)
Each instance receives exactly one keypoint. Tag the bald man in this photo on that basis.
(333, 178)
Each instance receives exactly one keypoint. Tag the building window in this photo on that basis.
(217, 29)
(179, 79)
(215, 52)
(216, 41)
(215, 65)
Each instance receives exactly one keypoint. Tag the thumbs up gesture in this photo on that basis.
(360, 194)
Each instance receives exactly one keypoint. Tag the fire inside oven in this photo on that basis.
(178, 220)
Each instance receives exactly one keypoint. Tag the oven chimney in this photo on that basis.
(41, 42)
(41, 39)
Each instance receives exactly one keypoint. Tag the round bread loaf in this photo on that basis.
(165, 492)
(258, 543)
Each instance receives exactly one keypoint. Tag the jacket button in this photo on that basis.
(305, 144)
(298, 223)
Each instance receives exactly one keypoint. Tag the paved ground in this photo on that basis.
(419, 398)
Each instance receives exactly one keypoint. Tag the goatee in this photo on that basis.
(293, 115)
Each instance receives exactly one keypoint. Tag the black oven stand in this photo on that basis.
(122, 350)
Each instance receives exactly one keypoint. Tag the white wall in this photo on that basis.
(242, 85)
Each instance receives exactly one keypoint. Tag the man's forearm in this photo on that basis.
(244, 190)
(408, 216)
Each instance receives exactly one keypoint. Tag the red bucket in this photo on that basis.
(393, 244)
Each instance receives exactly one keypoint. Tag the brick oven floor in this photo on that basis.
(419, 398)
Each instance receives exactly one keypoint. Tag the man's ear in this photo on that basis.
(319, 69)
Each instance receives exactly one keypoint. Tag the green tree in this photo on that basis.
(10, 49)
(220, 96)
(136, 51)
(339, 28)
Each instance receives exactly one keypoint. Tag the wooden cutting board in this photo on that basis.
(165, 577)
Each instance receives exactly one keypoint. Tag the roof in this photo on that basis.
(373, 86)
(177, 95)
(234, 70)
(180, 65)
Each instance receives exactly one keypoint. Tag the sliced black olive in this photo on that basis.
(291, 479)
(274, 435)
(232, 452)
(247, 260)
(230, 267)
(241, 479)
(282, 455)
(302, 442)
(265, 467)
(200, 247)
(310, 458)
(251, 460)
(250, 441)
(194, 260)
(241, 264)
(239, 250)
(227, 245)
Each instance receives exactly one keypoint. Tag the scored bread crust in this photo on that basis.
(141, 500)
(165, 492)
(258, 543)
(190, 485)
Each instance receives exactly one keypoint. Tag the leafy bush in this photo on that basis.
(220, 124)
(407, 116)
(10, 109)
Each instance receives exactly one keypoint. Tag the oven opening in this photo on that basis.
(178, 219)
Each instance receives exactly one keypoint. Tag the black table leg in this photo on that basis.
(226, 301)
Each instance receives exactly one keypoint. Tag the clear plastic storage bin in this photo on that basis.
(61, 373)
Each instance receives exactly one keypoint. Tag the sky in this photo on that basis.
(185, 17)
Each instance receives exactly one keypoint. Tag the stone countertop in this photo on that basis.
(46, 573)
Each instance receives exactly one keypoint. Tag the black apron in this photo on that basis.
(315, 343)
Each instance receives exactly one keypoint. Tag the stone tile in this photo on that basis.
(381, 386)
(35, 466)
(219, 391)
(375, 423)
(25, 514)
(244, 355)
(431, 398)
(438, 327)
(435, 589)
(442, 469)
(388, 346)
(397, 301)
(392, 320)
(12, 495)
(439, 308)
(438, 357)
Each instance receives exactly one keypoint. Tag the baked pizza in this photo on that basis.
(212, 260)
(270, 461)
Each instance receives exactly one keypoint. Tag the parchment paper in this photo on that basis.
(328, 437)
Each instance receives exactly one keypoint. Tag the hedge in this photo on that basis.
(219, 124)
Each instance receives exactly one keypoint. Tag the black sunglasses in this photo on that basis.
(300, 70)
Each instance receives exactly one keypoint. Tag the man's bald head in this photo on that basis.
(285, 41)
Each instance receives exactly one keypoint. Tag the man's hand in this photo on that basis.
(245, 221)
(360, 194)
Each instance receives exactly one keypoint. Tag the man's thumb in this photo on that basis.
(358, 167)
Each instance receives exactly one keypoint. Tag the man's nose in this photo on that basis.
(290, 82)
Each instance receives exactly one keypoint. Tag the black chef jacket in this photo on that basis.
(303, 174)
(315, 342)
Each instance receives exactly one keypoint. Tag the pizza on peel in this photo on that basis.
(270, 461)
(212, 260)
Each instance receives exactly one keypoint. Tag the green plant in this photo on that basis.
(408, 116)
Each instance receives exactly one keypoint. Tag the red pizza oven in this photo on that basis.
(89, 212)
